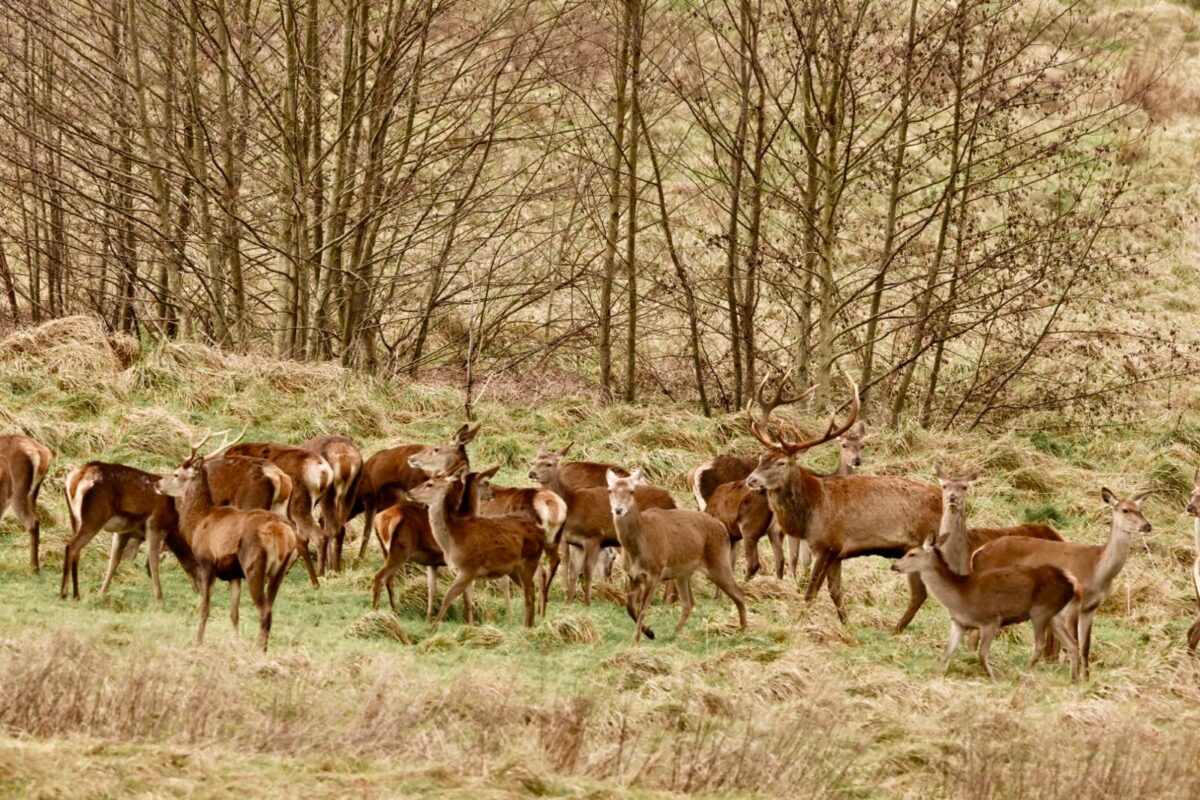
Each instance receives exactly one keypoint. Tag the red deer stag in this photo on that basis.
(1093, 566)
(230, 544)
(668, 544)
(24, 463)
(846, 517)
(987, 601)
(481, 547)
(1193, 509)
(346, 461)
(311, 477)
(126, 502)
(588, 523)
(387, 478)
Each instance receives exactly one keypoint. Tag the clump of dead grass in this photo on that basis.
(379, 625)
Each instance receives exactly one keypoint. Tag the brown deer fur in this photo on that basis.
(1093, 566)
(704, 479)
(573, 474)
(668, 544)
(387, 478)
(24, 463)
(125, 501)
(747, 517)
(481, 547)
(231, 545)
(987, 601)
(346, 461)
(311, 476)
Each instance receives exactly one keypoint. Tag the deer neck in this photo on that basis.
(196, 504)
(1113, 555)
(952, 539)
(439, 524)
(792, 503)
(843, 468)
(942, 581)
(628, 527)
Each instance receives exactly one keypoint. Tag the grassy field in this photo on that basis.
(108, 697)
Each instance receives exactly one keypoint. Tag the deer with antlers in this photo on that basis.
(125, 501)
(230, 544)
(24, 463)
(846, 517)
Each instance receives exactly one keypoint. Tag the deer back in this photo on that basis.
(712, 474)
(101, 491)
(26, 461)
(1078, 559)
(659, 538)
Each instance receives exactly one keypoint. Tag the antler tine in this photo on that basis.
(767, 406)
(195, 446)
(834, 430)
(757, 432)
(226, 444)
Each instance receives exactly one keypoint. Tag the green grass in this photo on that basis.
(108, 696)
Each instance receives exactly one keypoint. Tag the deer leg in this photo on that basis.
(775, 537)
(302, 546)
(154, 543)
(1041, 627)
(648, 590)
(79, 540)
(591, 549)
(543, 582)
(469, 603)
(114, 559)
(986, 634)
(206, 584)
(686, 601)
(24, 506)
(430, 592)
(1084, 637)
(1193, 636)
(916, 598)
(397, 556)
(728, 584)
(461, 581)
(571, 557)
(1066, 637)
(235, 601)
(256, 579)
(794, 555)
(956, 635)
(833, 573)
(506, 590)
(818, 575)
(753, 561)
(526, 577)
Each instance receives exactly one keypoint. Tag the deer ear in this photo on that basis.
(636, 476)
(1140, 497)
(612, 478)
(1196, 478)
(1108, 497)
(490, 472)
(927, 544)
(972, 477)
(466, 433)
(565, 449)
(941, 473)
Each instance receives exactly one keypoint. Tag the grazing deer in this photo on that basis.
(1193, 509)
(845, 517)
(344, 458)
(126, 502)
(24, 463)
(991, 599)
(481, 547)
(311, 477)
(230, 544)
(387, 477)
(956, 542)
(588, 522)
(668, 544)
(1093, 566)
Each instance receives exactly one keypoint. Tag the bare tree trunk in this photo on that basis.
(614, 200)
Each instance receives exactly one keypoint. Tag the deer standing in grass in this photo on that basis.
(125, 501)
(480, 547)
(1094, 567)
(387, 477)
(989, 600)
(668, 544)
(24, 463)
(346, 462)
(845, 517)
(589, 522)
(1193, 509)
(230, 544)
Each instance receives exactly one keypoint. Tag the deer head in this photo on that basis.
(621, 491)
(775, 466)
(955, 488)
(852, 443)
(917, 559)
(1127, 514)
(186, 474)
(545, 463)
(446, 456)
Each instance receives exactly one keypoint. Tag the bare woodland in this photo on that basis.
(666, 198)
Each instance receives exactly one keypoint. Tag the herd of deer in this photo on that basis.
(248, 511)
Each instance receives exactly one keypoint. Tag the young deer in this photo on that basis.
(844, 517)
(1094, 567)
(589, 522)
(24, 463)
(388, 476)
(480, 547)
(956, 542)
(668, 544)
(1193, 509)
(230, 544)
(344, 458)
(311, 477)
(126, 502)
(989, 600)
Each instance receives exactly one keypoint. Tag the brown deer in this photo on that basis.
(588, 522)
(845, 517)
(230, 544)
(481, 547)
(346, 461)
(1094, 567)
(991, 599)
(956, 542)
(747, 517)
(387, 477)
(311, 477)
(574, 474)
(668, 544)
(24, 463)
(1193, 509)
(125, 501)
